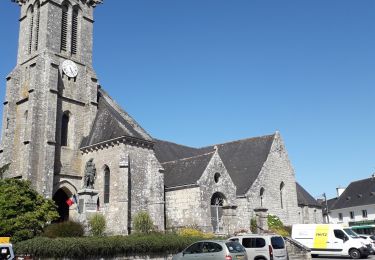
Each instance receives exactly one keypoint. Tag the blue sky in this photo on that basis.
(202, 72)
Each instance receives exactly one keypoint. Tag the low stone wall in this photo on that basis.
(297, 251)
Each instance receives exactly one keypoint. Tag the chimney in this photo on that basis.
(339, 191)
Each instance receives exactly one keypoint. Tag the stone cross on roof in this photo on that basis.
(89, 2)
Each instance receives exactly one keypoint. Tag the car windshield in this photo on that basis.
(351, 233)
(234, 247)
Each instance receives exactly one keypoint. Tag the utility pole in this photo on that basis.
(325, 200)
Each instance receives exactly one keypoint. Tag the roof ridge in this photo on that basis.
(156, 139)
(187, 158)
(239, 140)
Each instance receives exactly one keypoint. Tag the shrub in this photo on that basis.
(275, 225)
(64, 229)
(253, 225)
(97, 225)
(23, 212)
(94, 247)
(192, 232)
(143, 223)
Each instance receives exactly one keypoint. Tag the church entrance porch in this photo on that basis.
(61, 196)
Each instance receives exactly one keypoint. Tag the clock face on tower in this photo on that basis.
(69, 68)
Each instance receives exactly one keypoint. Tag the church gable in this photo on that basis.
(244, 159)
(112, 122)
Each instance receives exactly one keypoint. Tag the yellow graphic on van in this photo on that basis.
(321, 236)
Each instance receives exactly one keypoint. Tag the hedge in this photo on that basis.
(86, 247)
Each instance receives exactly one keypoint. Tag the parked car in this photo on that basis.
(213, 250)
(370, 239)
(263, 247)
(6, 252)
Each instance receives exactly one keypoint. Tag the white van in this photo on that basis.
(263, 247)
(331, 239)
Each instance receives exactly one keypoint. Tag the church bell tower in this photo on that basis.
(51, 94)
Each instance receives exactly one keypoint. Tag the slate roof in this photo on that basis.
(243, 159)
(112, 122)
(185, 171)
(358, 193)
(304, 198)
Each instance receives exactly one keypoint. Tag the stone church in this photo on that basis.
(57, 119)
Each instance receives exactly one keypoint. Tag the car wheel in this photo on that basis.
(355, 254)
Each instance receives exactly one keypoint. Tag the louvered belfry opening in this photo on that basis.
(74, 31)
(31, 13)
(37, 20)
(64, 27)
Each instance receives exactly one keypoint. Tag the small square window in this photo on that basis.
(364, 213)
(340, 216)
(351, 214)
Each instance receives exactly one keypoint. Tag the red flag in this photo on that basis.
(70, 202)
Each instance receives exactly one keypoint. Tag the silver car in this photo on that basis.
(213, 250)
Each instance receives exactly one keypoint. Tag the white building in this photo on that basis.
(355, 207)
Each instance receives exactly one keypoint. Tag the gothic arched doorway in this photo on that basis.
(217, 203)
(60, 199)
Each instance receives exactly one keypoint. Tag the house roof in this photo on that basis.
(243, 159)
(185, 171)
(112, 122)
(304, 198)
(358, 193)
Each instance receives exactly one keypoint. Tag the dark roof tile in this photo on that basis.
(358, 193)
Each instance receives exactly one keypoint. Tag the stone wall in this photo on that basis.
(133, 168)
(310, 215)
(183, 207)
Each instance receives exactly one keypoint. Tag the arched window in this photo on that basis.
(64, 129)
(281, 194)
(25, 116)
(73, 45)
(107, 178)
(30, 13)
(37, 20)
(64, 27)
(261, 194)
(217, 203)
(217, 177)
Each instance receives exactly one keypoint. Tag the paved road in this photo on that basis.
(340, 258)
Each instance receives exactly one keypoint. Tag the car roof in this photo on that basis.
(256, 235)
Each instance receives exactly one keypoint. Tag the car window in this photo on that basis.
(235, 247)
(194, 248)
(234, 239)
(247, 242)
(256, 242)
(277, 242)
(260, 242)
(211, 247)
(339, 234)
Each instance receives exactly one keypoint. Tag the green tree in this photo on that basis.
(23, 212)
(143, 222)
